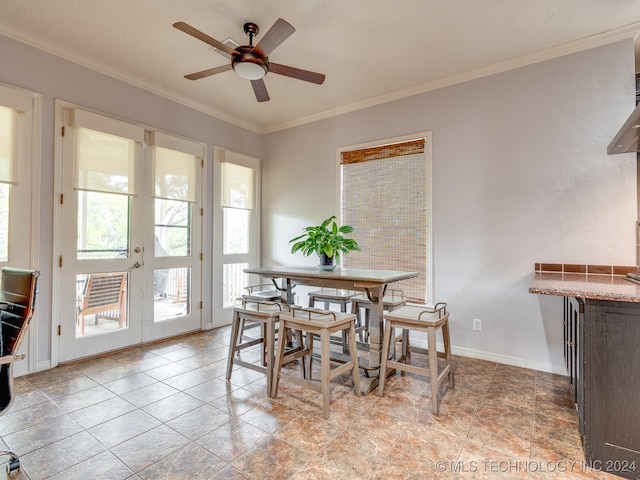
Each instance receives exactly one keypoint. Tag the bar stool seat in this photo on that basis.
(258, 293)
(323, 323)
(336, 296)
(267, 315)
(429, 320)
(391, 300)
(261, 293)
(329, 296)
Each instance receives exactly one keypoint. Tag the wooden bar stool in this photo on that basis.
(267, 315)
(323, 323)
(361, 303)
(426, 319)
(336, 296)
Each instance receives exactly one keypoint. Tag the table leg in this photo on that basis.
(367, 384)
(287, 291)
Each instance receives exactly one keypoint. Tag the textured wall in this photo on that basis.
(520, 174)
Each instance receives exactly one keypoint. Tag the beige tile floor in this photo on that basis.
(165, 411)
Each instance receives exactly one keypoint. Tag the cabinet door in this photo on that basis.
(573, 313)
(612, 386)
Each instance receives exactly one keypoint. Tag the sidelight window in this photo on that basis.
(19, 127)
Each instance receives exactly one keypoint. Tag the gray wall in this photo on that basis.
(520, 175)
(55, 78)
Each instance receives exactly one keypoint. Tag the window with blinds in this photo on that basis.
(176, 164)
(384, 196)
(20, 123)
(105, 152)
(237, 204)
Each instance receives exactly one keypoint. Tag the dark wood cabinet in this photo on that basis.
(602, 353)
(602, 357)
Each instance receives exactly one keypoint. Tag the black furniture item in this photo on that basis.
(18, 289)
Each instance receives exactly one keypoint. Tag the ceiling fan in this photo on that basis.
(252, 62)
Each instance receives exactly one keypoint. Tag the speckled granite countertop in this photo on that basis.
(577, 281)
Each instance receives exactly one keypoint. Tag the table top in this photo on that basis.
(312, 275)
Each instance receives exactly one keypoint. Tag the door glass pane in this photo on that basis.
(103, 225)
(101, 300)
(172, 291)
(233, 282)
(236, 230)
(173, 228)
(4, 222)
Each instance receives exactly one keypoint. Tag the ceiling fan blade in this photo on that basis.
(188, 29)
(278, 33)
(260, 89)
(298, 73)
(208, 72)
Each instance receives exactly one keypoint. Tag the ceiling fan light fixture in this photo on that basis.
(248, 64)
(249, 70)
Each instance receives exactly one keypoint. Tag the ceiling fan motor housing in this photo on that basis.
(246, 61)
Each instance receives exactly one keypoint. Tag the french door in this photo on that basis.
(130, 235)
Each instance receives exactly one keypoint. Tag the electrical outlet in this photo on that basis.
(477, 324)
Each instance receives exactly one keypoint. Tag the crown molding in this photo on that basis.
(627, 32)
(89, 63)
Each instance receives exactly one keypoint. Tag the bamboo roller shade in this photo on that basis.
(410, 147)
(385, 201)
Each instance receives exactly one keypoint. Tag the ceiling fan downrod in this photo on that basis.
(251, 29)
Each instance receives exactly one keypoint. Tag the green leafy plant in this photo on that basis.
(326, 238)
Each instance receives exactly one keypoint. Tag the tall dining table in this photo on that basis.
(372, 282)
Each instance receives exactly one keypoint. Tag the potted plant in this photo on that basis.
(327, 241)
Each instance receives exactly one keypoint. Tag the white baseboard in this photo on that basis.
(508, 360)
(498, 358)
(39, 367)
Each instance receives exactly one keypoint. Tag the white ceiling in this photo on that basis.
(370, 50)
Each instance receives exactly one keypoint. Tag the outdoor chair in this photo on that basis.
(104, 297)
